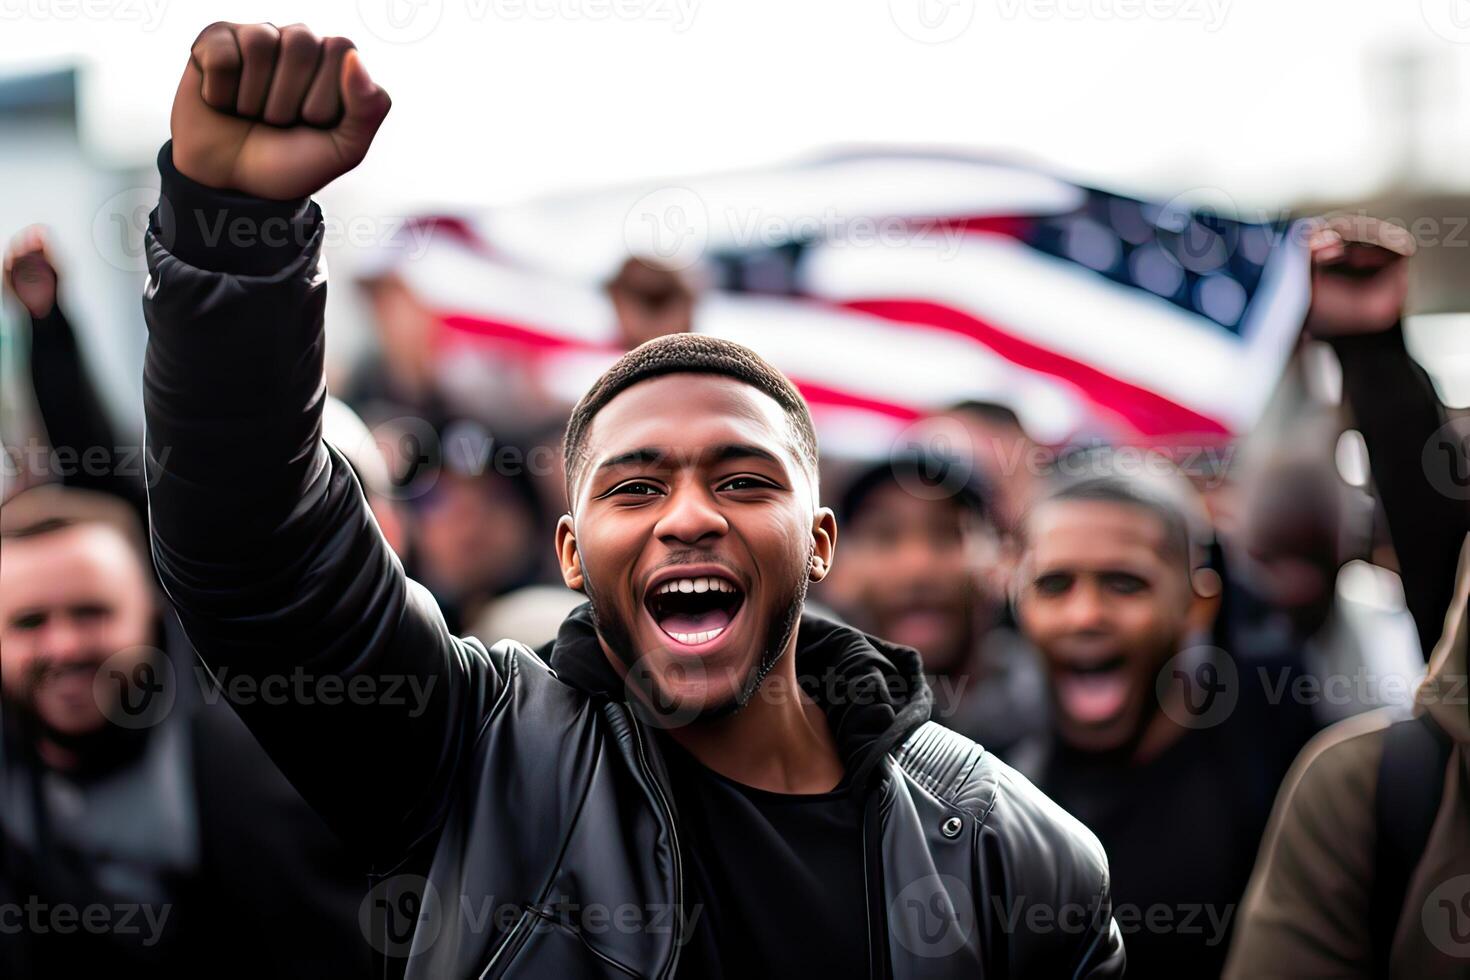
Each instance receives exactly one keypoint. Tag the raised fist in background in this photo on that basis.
(30, 272)
(1360, 275)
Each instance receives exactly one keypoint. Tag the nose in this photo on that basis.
(691, 515)
(1085, 608)
(913, 559)
(63, 639)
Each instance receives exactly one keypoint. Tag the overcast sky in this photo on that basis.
(499, 100)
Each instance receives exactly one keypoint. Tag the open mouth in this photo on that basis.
(694, 611)
(921, 624)
(1093, 693)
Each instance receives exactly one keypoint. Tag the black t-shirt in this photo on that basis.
(773, 882)
(1181, 834)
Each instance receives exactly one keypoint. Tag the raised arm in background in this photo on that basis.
(76, 420)
(260, 532)
(1360, 279)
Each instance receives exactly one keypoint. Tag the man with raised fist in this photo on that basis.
(694, 779)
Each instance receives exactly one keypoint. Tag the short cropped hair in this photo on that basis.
(687, 353)
(1170, 499)
(51, 507)
(953, 480)
(993, 412)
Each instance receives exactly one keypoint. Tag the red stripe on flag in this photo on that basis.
(1010, 226)
(528, 340)
(819, 394)
(1147, 411)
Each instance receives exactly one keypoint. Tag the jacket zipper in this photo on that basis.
(877, 945)
(867, 896)
(514, 938)
(673, 840)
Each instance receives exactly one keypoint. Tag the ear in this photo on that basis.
(566, 553)
(1205, 597)
(824, 543)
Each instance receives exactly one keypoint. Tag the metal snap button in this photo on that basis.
(952, 827)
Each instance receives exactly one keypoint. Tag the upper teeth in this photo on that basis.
(695, 585)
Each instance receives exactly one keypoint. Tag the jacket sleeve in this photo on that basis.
(1395, 408)
(341, 666)
(75, 418)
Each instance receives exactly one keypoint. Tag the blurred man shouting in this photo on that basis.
(1109, 594)
(1157, 743)
(704, 782)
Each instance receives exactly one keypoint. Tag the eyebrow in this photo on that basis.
(1073, 570)
(646, 456)
(650, 456)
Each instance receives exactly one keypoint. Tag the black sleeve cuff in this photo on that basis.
(52, 328)
(228, 231)
(1371, 345)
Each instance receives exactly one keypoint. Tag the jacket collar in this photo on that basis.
(873, 691)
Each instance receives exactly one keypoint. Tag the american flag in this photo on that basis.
(889, 285)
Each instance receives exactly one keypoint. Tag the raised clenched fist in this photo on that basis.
(273, 112)
(29, 272)
(1360, 275)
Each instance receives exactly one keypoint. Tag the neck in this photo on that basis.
(56, 756)
(1160, 733)
(779, 742)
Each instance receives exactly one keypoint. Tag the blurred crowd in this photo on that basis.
(1221, 670)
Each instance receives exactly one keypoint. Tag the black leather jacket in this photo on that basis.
(521, 792)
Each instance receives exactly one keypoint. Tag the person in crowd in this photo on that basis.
(399, 376)
(143, 832)
(1365, 868)
(75, 419)
(1003, 449)
(1363, 872)
(666, 760)
(919, 546)
(1360, 281)
(207, 798)
(475, 534)
(650, 300)
(71, 407)
(1304, 598)
(1159, 742)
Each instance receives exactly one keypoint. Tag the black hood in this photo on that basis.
(873, 691)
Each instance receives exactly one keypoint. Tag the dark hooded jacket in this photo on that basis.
(489, 788)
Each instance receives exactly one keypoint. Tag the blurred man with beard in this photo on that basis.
(695, 779)
(125, 799)
(72, 594)
(91, 810)
(923, 567)
(1162, 746)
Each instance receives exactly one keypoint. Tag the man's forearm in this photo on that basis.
(75, 418)
(233, 375)
(1395, 407)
